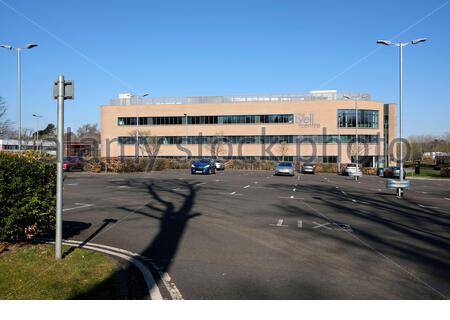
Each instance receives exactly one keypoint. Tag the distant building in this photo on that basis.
(433, 154)
(42, 145)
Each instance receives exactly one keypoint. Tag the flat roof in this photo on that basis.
(331, 95)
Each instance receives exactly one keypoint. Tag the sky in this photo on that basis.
(199, 48)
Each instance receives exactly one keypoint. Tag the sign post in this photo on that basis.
(62, 90)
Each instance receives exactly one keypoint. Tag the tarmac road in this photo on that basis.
(251, 235)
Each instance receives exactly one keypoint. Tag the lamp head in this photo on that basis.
(384, 42)
(416, 41)
(31, 45)
(6, 46)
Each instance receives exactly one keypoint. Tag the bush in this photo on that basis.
(445, 172)
(27, 195)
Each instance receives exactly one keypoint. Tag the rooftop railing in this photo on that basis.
(134, 100)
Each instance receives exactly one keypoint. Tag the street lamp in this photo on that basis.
(137, 119)
(37, 131)
(355, 99)
(19, 86)
(402, 183)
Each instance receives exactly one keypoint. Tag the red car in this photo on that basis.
(71, 163)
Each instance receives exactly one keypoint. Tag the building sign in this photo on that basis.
(306, 120)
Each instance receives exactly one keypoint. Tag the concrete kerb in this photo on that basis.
(153, 290)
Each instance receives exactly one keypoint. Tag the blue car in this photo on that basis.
(203, 166)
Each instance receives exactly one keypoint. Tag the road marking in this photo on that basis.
(424, 192)
(201, 183)
(71, 184)
(447, 198)
(255, 182)
(231, 193)
(427, 207)
(279, 224)
(321, 225)
(218, 180)
(79, 206)
(123, 187)
(343, 192)
(294, 189)
(344, 227)
(299, 224)
(153, 290)
(292, 197)
(234, 192)
(246, 187)
(378, 189)
(298, 177)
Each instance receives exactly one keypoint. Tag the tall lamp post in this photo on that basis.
(37, 131)
(19, 86)
(137, 120)
(402, 184)
(355, 99)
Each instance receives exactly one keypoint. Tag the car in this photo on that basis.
(285, 168)
(219, 164)
(308, 168)
(203, 166)
(71, 163)
(350, 169)
(393, 172)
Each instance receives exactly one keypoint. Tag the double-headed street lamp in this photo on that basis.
(19, 86)
(37, 131)
(402, 184)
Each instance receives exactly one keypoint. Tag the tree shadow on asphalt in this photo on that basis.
(161, 251)
(395, 227)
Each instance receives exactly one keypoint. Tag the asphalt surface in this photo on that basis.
(251, 235)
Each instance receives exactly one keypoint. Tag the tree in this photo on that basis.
(283, 149)
(5, 124)
(148, 145)
(217, 145)
(89, 131)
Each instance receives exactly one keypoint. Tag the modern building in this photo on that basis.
(319, 126)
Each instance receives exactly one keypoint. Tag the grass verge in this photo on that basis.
(426, 173)
(31, 272)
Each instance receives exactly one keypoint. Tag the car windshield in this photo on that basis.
(204, 160)
(285, 164)
(219, 161)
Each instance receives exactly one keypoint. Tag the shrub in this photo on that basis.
(27, 195)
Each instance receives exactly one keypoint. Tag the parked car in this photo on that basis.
(219, 164)
(308, 168)
(71, 163)
(285, 168)
(350, 169)
(393, 172)
(203, 166)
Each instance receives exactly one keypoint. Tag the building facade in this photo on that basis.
(315, 127)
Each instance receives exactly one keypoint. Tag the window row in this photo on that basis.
(317, 139)
(366, 118)
(273, 118)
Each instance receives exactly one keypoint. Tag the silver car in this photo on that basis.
(285, 168)
(220, 165)
(309, 168)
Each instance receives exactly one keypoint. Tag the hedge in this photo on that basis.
(27, 195)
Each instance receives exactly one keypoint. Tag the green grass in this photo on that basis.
(31, 272)
(426, 173)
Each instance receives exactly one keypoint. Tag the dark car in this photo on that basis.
(73, 163)
(203, 166)
(393, 172)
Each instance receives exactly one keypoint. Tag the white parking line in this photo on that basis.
(279, 224)
(292, 197)
(447, 198)
(246, 187)
(71, 184)
(79, 206)
(294, 189)
(427, 207)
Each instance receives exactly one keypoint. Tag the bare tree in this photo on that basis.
(148, 145)
(5, 124)
(283, 149)
(89, 131)
(217, 145)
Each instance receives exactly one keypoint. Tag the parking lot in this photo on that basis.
(252, 235)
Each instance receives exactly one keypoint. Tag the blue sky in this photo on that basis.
(185, 48)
